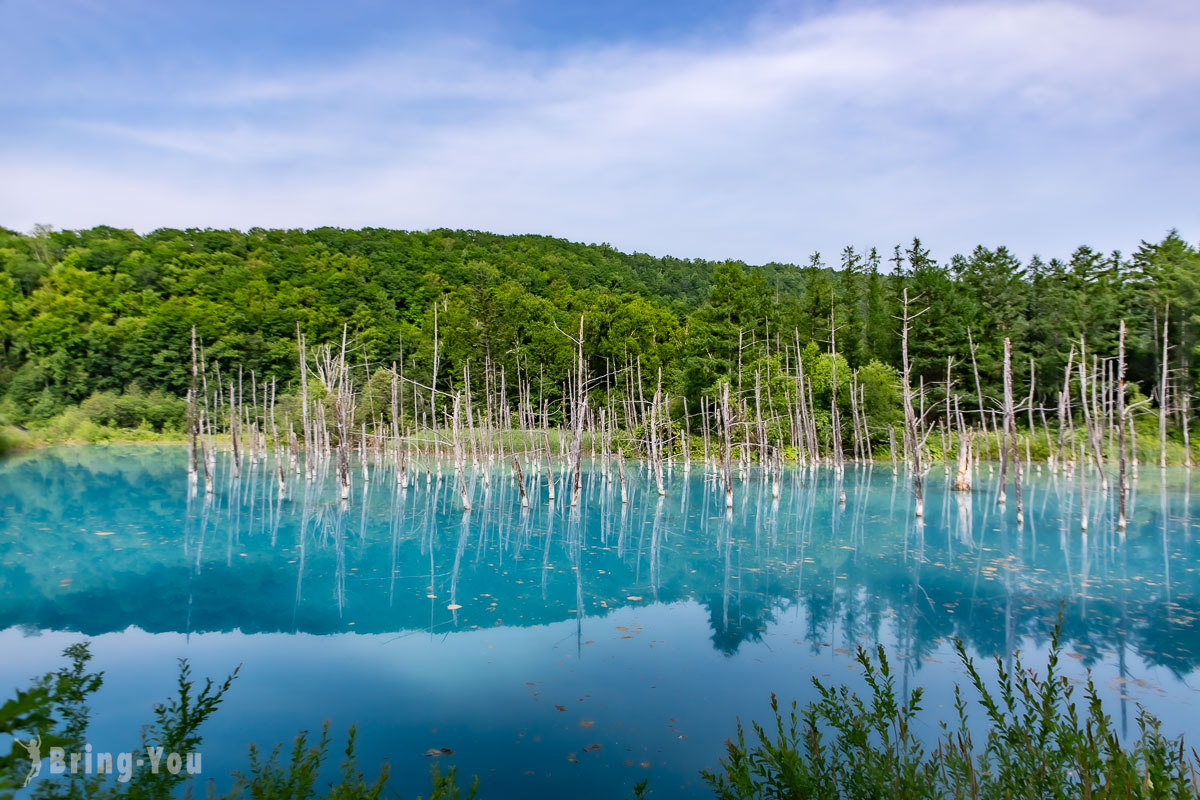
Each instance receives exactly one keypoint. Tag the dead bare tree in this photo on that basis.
(914, 444)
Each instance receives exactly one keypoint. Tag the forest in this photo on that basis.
(96, 325)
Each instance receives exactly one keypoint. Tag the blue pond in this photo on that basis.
(560, 650)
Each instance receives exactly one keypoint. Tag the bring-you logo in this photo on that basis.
(120, 765)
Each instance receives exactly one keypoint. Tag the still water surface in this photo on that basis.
(562, 650)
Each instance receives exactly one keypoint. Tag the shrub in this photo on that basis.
(1037, 745)
(55, 710)
(100, 408)
(12, 439)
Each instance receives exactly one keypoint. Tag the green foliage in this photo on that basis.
(87, 317)
(268, 779)
(1038, 744)
(156, 410)
(54, 712)
(445, 787)
(881, 396)
(26, 718)
(51, 713)
(11, 439)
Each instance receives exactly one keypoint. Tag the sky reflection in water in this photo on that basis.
(645, 628)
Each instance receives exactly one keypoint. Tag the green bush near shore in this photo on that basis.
(11, 439)
(138, 416)
(77, 426)
(130, 416)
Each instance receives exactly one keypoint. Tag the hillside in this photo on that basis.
(108, 310)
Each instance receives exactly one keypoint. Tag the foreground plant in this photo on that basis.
(54, 713)
(1038, 744)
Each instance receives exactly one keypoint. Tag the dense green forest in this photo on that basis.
(103, 317)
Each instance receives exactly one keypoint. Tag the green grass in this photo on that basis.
(12, 439)
(77, 425)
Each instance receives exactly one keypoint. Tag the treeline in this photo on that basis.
(109, 311)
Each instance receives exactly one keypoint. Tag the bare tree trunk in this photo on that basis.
(979, 394)
(762, 431)
(580, 413)
(1029, 411)
(459, 456)
(1010, 427)
(910, 420)
(1122, 478)
(233, 431)
(687, 438)
(866, 434)
(549, 462)
(656, 445)
(308, 454)
(280, 451)
(208, 477)
(621, 470)
(838, 456)
(193, 417)
(800, 384)
(812, 424)
(521, 483)
(1064, 408)
(962, 478)
(253, 427)
(1184, 412)
(471, 416)
(433, 376)
(858, 448)
(603, 442)
(726, 421)
(401, 467)
(343, 416)
(1133, 450)
(1002, 495)
(1163, 407)
(1088, 421)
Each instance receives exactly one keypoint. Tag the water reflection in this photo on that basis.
(89, 535)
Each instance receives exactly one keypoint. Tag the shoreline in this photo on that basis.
(181, 441)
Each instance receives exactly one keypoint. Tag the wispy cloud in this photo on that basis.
(1040, 125)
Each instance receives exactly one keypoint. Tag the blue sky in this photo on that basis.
(753, 130)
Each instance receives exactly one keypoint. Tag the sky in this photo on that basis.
(760, 130)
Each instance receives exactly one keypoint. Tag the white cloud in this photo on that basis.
(1040, 125)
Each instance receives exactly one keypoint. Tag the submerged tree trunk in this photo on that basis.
(1010, 427)
(727, 462)
(962, 477)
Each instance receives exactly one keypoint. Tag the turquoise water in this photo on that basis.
(520, 638)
